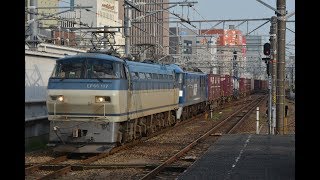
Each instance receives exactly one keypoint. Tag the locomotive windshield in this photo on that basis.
(88, 69)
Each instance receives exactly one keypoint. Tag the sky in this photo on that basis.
(239, 9)
(235, 9)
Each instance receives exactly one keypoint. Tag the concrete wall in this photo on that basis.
(37, 72)
(39, 65)
(38, 68)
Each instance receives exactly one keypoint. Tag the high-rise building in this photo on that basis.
(103, 13)
(255, 67)
(149, 35)
(228, 42)
(191, 51)
(44, 12)
(26, 14)
(45, 15)
(182, 40)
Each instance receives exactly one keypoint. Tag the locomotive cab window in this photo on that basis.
(69, 69)
(103, 69)
(88, 69)
(148, 75)
(134, 75)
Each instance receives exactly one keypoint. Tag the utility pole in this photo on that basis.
(127, 26)
(273, 61)
(281, 7)
(34, 25)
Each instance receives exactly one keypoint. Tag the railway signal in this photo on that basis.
(266, 49)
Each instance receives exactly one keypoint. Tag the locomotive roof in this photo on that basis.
(93, 55)
(150, 67)
(135, 66)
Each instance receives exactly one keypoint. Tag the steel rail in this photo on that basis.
(69, 168)
(31, 169)
(154, 172)
(245, 116)
(81, 167)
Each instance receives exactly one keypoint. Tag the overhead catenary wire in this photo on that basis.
(162, 27)
(195, 11)
(153, 35)
(186, 27)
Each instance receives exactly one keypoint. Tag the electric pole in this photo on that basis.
(281, 8)
(34, 25)
(127, 26)
(273, 61)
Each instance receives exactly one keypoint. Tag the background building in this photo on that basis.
(149, 37)
(228, 41)
(193, 51)
(255, 67)
(44, 12)
(103, 13)
(182, 40)
(206, 52)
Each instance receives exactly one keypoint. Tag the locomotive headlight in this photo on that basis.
(60, 98)
(102, 99)
(180, 93)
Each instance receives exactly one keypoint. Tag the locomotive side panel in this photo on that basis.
(152, 89)
(226, 86)
(195, 88)
(147, 102)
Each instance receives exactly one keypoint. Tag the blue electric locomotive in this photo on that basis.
(95, 101)
(193, 94)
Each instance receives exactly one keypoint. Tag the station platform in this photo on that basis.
(246, 156)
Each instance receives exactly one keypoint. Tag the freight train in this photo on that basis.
(97, 101)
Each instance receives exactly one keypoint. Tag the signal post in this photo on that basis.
(266, 51)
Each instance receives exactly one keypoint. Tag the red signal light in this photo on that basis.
(266, 49)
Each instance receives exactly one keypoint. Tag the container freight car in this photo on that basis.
(257, 85)
(252, 85)
(241, 87)
(260, 85)
(247, 87)
(244, 87)
(214, 93)
(226, 87)
(264, 85)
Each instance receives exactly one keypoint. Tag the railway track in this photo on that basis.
(227, 126)
(60, 166)
(58, 169)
